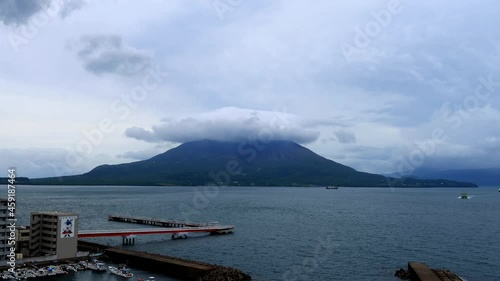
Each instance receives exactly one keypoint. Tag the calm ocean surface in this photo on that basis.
(299, 233)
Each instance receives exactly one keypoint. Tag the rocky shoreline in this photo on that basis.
(446, 275)
(225, 274)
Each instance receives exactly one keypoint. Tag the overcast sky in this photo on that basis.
(377, 85)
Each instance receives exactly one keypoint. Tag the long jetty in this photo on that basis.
(158, 222)
(179, 228)
(143, 231)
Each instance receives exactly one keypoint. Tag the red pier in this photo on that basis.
(143, 231)
(178, 229)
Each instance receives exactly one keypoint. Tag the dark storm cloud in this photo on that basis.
(102, 54)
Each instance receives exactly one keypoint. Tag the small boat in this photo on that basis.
(79, 266)
(332, 187)
(71, 268)
(464, 195)
(7, 275)
(30, 273)
(18, 275)
(96, 266)
(97, 254)
(120, 272)
(180, 235)
(42, 272)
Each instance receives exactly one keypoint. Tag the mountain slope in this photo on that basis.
(278, 163)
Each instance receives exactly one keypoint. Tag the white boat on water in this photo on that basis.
(55, 270)
(96, 266)
(120, 272)
(180, 235)
(464, 195)
(332, 187)
(71, 268)
(97, 254)
(42, 272)
(29, 273)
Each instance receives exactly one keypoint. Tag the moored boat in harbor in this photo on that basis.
(96, 266)
(120, 271)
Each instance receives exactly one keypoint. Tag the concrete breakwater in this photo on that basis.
(175, 267)
(418, 271)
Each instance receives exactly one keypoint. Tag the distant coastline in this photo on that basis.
(63, 183)
(226, 163)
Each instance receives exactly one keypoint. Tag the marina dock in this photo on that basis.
(156, 222)
(178, 229)
(220, 229)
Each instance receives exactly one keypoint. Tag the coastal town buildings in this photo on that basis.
(53, 234)
(4, 231)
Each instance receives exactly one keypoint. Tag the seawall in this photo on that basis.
(175, 267)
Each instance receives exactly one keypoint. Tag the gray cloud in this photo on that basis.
(365, 158)
(228, 124)
(137, 155)
(107, 54)
(35, 162)
(345, 136)
(18, 12)
(142, 134)
(71, 6)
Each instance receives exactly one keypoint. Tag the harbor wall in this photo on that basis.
(156, 263)
(421, 272)
(175, 267)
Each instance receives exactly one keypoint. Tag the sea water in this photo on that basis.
(285, 233)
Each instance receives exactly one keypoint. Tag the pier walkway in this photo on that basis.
(216, 229)
(158, 222)
(178, 229)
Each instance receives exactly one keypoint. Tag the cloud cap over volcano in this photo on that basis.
(229, 124)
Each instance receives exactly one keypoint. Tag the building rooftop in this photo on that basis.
(54, 213)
